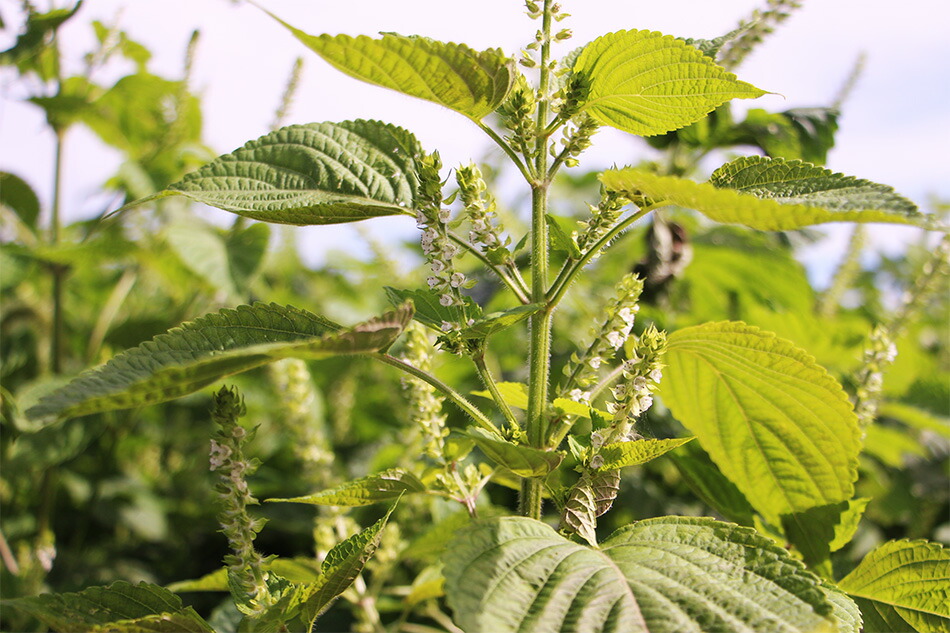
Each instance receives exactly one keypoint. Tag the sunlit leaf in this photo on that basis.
(777, 424)
(666, 575)
(623, 454)
(523, 461)
(471, 82)
(385, 486)
(771, 194)
(903, 586)
(647, 83)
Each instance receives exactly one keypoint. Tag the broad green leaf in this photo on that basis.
(915, 418)
(453, 75)
(515, 394)
(590, 497)
(31, 51)
(523, 461)
(385, 486)
(319, 173)
(777, 424)
(892, 445)
(207, 349)
(846, 612)
(226, 259)
(429, 584)
(803, 133)
(905, 584)
(113, 608)
(428, 309)
(706, 480)
(665, 575)
(623, 454)
(771, 194)
(19, 197)
(818, 531)
(647, 83)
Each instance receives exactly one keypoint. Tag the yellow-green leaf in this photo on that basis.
(523, 461)
(647, 83)
(623, 454)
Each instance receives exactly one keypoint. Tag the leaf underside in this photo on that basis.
(666, 575)
(319, 173)
(384, 486)
(524, 461)
(647, 83)
(774, 421)
(772, 194)
(196, 354)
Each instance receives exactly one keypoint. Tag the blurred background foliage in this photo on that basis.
(128, 495)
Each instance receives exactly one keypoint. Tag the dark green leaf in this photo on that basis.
(19, 197)
(203, 351)
(428, 309)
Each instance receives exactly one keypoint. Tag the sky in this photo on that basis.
(895, 128)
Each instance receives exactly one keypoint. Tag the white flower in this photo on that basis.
(444, 215)
(656, 375)
(446, 300)
(615, 339)
(596, 440)
(646, 402)
(447, 327)
(626, 315)
(595, 362)
(619, 391)
(433, 281)
(219, 454)
(457, 280)
(579, 396)
(596, 462)
(437, 266)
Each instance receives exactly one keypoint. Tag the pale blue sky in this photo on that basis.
(895, 129)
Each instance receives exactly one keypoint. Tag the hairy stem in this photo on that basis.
(461, 401)
(514, 282)
(56, 338)
(507, 149)
(539, 362)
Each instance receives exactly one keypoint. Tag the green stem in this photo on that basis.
(461, 401)
(56, 338)
(539, 361)
(573, 267)
(505, 147)
(489, 380)
(515, 284)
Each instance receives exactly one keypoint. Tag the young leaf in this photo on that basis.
(428, 309)
(772, 194)
(207, 349)
(319, 173)
(623, 454)
(666, 575)
(589, 498)
(903, 586)
(523, 461)
(647, 83)
(803, 133)
(120, 606)
(498, 321)
(453, 75)
(18, 196)
(777, 424)
(515, 394)
(385, 486)
(341, 567)
(818, 531)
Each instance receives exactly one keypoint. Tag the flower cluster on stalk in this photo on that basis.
(878, 356)
(603, 218)
(436, 244)
(633, 393)
(584, 369)
(425, 404)
(486, 230)
(245, 564)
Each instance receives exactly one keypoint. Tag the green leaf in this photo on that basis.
(665, 575)
(560, 231)
(27, 53)
(777, 424)
(706, 480)
(846, 612)
(523, 461)
(429, 311)
(818, 531)
(297, 570)
(341, 567)
(453, 75)
(623, 454)
(515, 394)
(914, 417)
(647, 83)
(19, 197)
(803, 133)
(771, 194)
(207, 349)
(589, 498)
(905, 585)
(498, 321)
(120, 606)
(385, 486)
(320, 173)
(226, 259)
